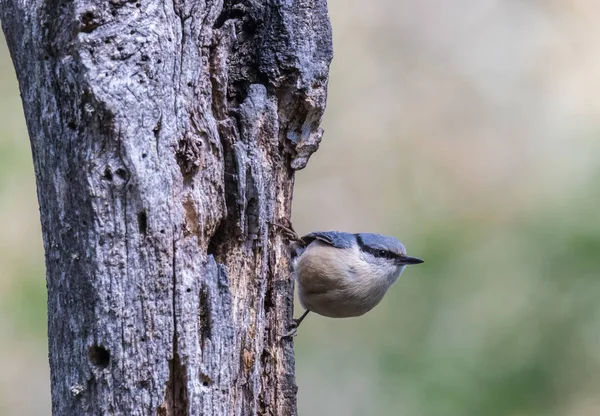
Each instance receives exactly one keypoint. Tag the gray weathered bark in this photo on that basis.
(165, 136)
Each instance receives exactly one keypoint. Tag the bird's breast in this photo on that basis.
(338, 282)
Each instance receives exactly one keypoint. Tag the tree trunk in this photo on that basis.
(165, 136)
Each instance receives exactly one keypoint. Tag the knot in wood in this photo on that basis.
(189, 151)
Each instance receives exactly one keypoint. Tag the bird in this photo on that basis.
(343, 275)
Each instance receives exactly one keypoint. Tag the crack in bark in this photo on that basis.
(176, 393)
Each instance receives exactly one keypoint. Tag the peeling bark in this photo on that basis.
(165, 136)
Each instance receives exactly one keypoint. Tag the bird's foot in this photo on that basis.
(295, 324)
(293, 330)
(285, 225)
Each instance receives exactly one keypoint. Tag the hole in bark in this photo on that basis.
(159, 61)
(189, 84)
(88, 22)
(142, 222)
(71, 124)
(206, 380)
(99, 356)
(188, 290)
(138, 5)
(145, 58)
(107, 175)
(268, 303)
(46, 58)
(131, 32)
(249, 26)
(144, 155)
(121, 173)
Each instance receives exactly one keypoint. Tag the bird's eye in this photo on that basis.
(381, 253)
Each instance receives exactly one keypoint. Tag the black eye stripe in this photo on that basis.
(384, 254)
(375, 251)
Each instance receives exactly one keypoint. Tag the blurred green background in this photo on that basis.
(469, 130)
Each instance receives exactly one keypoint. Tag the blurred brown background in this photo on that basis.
(469, 130)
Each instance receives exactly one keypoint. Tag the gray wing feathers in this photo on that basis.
(333, 238)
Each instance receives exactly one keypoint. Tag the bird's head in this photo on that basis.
(385, 251)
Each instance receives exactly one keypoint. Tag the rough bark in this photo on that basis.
(165, 136)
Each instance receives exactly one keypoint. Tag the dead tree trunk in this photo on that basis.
(165, 136)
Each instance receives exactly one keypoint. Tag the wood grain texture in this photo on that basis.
(165, 136)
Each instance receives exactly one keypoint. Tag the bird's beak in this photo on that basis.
(410, 260)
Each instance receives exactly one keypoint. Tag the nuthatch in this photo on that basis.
(342, 275)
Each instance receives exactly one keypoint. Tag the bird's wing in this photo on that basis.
(333, 238)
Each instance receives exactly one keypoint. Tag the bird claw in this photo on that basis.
(287, 229)
(291, 333)
(293, 330)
